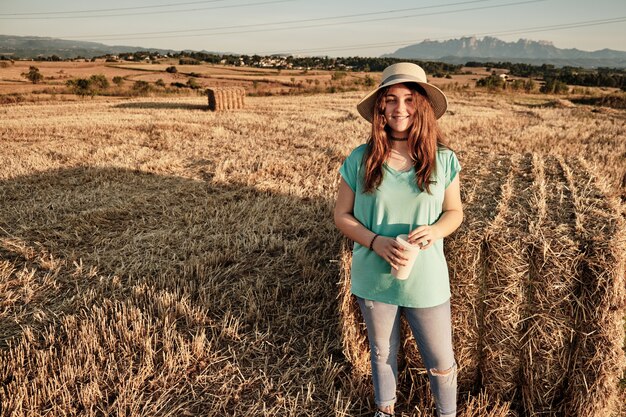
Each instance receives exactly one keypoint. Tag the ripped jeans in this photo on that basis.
(432, 329)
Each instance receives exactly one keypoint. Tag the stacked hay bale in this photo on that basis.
(553, 261)
(599, 301)
(355, 343)
(226, 98)
(481, 192)
(537, 275)
(504, 281)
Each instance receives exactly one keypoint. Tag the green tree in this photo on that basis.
(171, 70)
(99, 82)
(141, 88)
(81, 87)
(554, 86)
(492, 82)
(188, 61)
(517, 85)
(338, 75)
(118, 81)
(33, 75)
(193, 83)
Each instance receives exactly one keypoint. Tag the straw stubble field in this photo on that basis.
(158, 259)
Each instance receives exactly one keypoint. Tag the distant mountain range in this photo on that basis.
(33, 46)
(460, 51)
(454, 51)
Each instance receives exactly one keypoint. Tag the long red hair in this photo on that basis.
(424, 138)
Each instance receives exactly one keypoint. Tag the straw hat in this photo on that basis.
(404, 72)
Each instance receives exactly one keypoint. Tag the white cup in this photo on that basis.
(410, 252)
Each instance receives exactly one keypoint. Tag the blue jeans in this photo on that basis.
(432, 330)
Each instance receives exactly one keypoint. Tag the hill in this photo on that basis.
(35, 46)
(459, 51)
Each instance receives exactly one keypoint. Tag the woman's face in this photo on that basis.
(399, 110)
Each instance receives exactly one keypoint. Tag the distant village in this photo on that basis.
(278, 61)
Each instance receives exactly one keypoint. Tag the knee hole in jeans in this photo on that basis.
(445, 373)
(384, 351)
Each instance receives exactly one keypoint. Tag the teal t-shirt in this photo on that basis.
(396, 207)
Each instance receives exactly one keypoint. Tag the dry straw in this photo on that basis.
(538, 288)
(481, 193)
(154, 265)
(226, 98)
(599, 299)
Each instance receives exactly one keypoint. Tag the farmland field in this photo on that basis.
(257, 81)
(160, 259)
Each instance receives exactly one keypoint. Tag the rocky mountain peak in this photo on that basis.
(471, 48)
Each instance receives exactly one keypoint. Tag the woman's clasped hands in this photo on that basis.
(390, 250)
(424, 236)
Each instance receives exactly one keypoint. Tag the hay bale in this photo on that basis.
(353, 332)
(225, 98)
(229, 99)
(465, 250)
(465, 271)
(597, 359)
(553, 261)
(219, 100)
(241, 93)
(506, 272)
(537, 276)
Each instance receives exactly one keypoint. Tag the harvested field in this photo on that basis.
(260, 81)
(160, 259)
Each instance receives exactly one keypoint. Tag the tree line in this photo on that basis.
(600, 77)
(355, 63)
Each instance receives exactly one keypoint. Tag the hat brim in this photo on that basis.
(437, 98)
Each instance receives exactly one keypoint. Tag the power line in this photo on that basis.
(149, 13)
(114, 37)
(562, 26)
(118, 36)
(113, 10)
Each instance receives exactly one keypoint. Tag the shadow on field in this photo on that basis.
(198, 296)
(163, 106)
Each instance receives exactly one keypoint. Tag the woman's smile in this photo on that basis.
(399, 109)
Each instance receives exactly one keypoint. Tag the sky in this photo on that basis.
(316, 27)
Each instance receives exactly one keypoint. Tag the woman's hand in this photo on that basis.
(424, 236)
(390, 250)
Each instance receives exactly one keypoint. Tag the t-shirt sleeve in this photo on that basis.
(452, 168)
(349, 169)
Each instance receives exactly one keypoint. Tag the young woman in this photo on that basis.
(404, 180)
